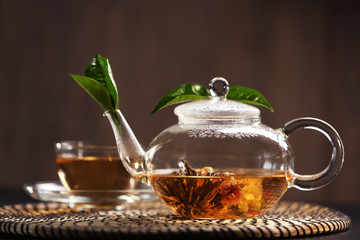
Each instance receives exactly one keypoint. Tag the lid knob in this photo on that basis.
(219, 87)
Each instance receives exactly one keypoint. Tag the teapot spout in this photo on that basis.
(131, 153)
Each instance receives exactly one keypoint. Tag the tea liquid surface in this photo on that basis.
(242, 195)
(95, 173)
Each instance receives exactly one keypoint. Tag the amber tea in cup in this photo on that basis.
(82, 166)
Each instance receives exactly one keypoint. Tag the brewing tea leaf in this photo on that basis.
(184, 93)
(248, 95)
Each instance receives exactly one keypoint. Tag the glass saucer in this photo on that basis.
(54, 191)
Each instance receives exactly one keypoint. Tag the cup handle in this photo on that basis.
(318, 180)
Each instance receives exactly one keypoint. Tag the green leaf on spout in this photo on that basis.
(99, 83)
(100, 70)
(248, 95)
(96, 90)
(184, 93)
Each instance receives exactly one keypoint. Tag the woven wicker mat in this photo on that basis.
(154, 221)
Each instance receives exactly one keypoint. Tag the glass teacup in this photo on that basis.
(83, 166)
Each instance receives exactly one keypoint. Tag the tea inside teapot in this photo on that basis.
(212, 193)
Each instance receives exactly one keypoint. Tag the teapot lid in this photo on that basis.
(217, 107)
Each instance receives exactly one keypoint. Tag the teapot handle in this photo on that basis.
(318, 180)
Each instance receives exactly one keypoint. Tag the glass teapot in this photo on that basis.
(219, 160)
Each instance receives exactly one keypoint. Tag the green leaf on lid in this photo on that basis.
(248, 95)
(192, 92)
(184, 93)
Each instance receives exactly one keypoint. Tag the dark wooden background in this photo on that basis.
(304, 56)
